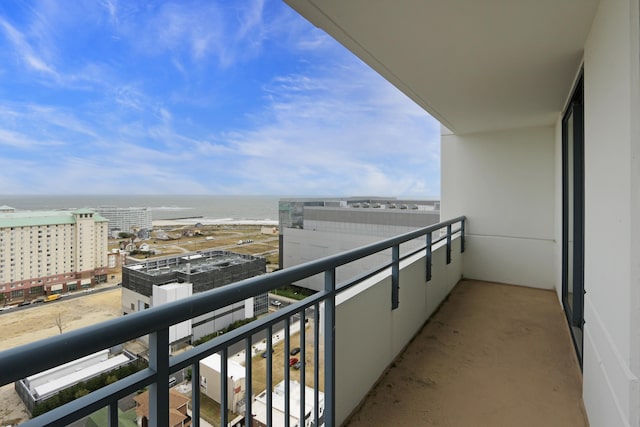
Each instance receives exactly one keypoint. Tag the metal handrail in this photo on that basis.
(20, 362)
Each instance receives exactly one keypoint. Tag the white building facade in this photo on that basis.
(540, 110)
(45, 252)
(329, 230)
(126, 219)
(210, 372)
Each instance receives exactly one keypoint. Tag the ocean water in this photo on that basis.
(207, 209)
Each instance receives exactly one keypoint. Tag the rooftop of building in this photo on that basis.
(116, 208)
(362, 199)
(234, 369)
(197, 262)
(39, 218)
(278, 400)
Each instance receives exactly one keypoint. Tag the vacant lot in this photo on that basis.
(41, 321)
(44, 320)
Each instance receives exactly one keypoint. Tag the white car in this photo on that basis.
(276, 303)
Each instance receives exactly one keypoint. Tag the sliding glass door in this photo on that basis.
(573, 215)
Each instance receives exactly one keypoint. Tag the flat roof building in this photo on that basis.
(278, 399)
(210, 372)
(40, 387)
(314, 231)
(203, 271)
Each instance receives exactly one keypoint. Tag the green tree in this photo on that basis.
(81, 392)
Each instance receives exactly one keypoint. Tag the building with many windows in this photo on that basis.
(126, 219)
(49, 252)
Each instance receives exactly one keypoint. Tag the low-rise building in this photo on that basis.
(203, 271)
(210, 372)
(44, 385)
(278, 398)
(178, 414)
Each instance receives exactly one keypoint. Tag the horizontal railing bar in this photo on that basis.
(346, 284)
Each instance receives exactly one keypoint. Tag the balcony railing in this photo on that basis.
(320, 309)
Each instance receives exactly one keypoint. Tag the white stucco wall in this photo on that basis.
(612, 239)
(383, 333)
(504, 182)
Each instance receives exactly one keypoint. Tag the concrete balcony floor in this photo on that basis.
(492, 355)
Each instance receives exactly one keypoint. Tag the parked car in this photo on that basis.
(293, 361)
(276, 302)
(23, 303)
(297, 365)
(264, 355)
(172, 381)
(294, 351)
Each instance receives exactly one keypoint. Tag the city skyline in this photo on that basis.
(199, 98)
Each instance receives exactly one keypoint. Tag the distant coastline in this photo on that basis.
(176, 209)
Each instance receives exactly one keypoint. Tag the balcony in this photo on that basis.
(492, 355)
(491, 351)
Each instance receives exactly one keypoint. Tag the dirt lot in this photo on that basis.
(41, 321)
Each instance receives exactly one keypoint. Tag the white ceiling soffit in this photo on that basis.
(475, 65)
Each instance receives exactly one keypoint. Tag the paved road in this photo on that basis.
(65, 297)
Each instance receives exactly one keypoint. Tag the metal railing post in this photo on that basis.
(449, 244)
(195, 394)
(287, 374)
(113, 414)
(329, 349)
(248, 395)
(462, 235)
(428, 256)
(269, 376)
(303, 359)
(224, 387)
(159, 391)
(395, 277)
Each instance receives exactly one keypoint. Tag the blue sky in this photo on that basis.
(198, 97)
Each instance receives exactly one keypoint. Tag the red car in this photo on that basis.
(293, 361)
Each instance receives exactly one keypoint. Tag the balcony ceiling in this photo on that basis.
(473, 65)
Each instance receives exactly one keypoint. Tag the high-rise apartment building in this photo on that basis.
(126, 219)
(48, 252)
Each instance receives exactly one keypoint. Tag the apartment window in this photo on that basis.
(17, 293)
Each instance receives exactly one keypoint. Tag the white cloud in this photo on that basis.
(331, 127)
(24, 50)
(340, 132)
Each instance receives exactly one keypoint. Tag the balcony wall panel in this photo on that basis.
(504, 182)
(528, 262)
(370, 335)
(612, 209)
